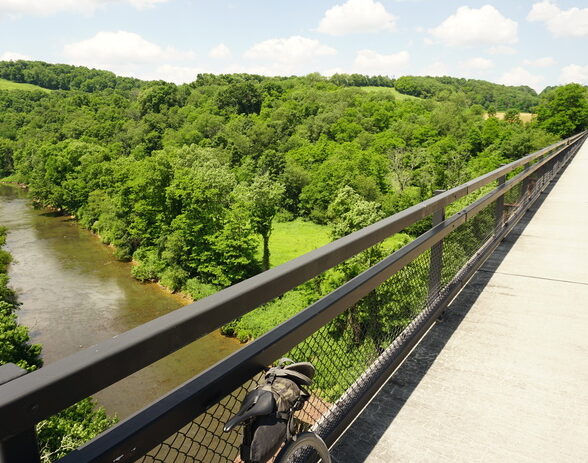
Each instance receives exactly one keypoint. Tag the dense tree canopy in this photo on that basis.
(564, 110)
(64, 76)
(187, 179)
(486, 94)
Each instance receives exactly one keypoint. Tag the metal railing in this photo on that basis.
(356, 335)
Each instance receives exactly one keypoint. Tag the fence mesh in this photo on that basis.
(349, 350)
(203, 439)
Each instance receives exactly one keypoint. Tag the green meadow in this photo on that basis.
(389, 91)
(292, 239)
(288, 241)
(8, 85)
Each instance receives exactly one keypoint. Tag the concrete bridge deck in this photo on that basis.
(504, 377)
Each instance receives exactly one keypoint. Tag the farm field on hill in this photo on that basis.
(389, 91)
(525, 117)
(8, 85)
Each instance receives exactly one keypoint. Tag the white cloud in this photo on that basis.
(470, 26)
(221, 51)
(520, 76)
(332, 71)
(435, 69)
(144, 4)
(48, 7)
(477, 64)
(13, 56)
(574, 73)
(122, 52)
(271, 69)
(294, 55)
(175, 74)
(544, 62)
(542, 11)
(502, 50)
(561, 23)
(371, 62)
(295, 49)
(45, 7)
(356, 16)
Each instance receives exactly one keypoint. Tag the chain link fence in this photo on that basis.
(358, 344)
(355, 335)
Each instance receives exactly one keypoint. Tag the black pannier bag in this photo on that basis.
(268, 409)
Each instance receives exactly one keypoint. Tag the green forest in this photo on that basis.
(192, 181)
(188, 181)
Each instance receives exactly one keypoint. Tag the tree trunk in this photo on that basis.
(266, 252)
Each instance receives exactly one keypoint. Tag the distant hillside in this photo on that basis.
(524, 117)
(389, 91)
(64, 76)
(8, 85)
(491, 96)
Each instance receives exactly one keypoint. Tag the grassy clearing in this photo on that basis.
(292, 239)
(525, 117)
(259, 321)
(389, 91)
(9, 85)
(287, 241)
(395, 242)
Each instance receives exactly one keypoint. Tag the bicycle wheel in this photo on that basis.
(304, 447)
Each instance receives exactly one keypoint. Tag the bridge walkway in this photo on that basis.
(504, 376)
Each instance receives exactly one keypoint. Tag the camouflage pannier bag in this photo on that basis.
(267, 410)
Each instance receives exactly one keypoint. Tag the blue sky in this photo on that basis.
(531, 42)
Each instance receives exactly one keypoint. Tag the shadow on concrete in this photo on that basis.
(362, 436)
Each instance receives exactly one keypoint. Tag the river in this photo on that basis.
(74, 294)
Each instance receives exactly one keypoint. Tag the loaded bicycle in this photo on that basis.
(267, 413)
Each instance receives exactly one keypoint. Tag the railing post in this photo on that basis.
(552, 169)
(22, 447)
(544, 173)
(436, 264)
(525, 185)
(555, 165)
(500, 206)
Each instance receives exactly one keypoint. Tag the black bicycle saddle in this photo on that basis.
(257, 402)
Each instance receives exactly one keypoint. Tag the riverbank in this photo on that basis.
(288, 240)
(24, 186)
(74, 293)
(70, 428)
(184, 296)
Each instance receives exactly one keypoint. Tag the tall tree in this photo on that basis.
(349, 212)
(564, 110)
(265, 197)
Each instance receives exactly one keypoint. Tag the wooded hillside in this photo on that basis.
(187, 179)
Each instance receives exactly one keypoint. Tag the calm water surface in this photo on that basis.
(74, 293)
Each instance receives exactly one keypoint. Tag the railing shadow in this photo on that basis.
(358, 441)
